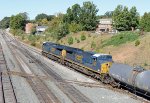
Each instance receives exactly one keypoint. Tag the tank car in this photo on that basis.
(133, 78)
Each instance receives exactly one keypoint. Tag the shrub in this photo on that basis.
(137, 42)
(73, 27)
(70, 40)
(121, 38)
(33, 43)
(82, 48)
(78, 41)
(59, 32)
(16, 32)
(31, 38)
(83, 37)
(145, 64)
(93, 45)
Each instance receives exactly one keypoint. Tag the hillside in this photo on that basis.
(124, 53)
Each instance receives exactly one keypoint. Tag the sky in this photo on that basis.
(50, 7)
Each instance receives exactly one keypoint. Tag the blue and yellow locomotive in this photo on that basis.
(90, 63)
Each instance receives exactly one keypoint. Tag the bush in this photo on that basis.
(121, 38)
(70, 40)
(93, 45)
(16, 32)
(83, 37)
(145, 64)
(60, 31)
(73, 27)
(137, 42)
(31, 37)
(33, 43)
(78, 41)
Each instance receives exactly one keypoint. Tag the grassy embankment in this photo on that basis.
(125, 47)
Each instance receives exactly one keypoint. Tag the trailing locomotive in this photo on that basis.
(90, 63)
(100, 66)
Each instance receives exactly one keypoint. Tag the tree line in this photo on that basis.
(80, 18)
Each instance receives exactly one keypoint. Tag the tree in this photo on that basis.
(17, 22)
(73, 14)
(50, 17)
(108, 14)
(24, 15)
(134, 16)
(88, 18)
(44, 22)
(60, 31)
(41, 17)
(123, 19)
(4, 23)
(145, 22)
(84, 16)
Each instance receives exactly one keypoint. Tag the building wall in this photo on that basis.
(105, 25)
(28, 28)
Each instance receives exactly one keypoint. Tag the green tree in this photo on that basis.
(74, 27)
(24, 15)
(50, 17)
(73, 14)
(41, 17)
(134, 16)
(145, 22)
(108, 14)
(4, 23)
(17, 22)
(88, 18)
(60, 31)
(84, 16)
(123, 19)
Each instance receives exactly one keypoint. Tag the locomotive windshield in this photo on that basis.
(103, 56)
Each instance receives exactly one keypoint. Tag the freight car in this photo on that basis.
(133, 78)
(90, 63)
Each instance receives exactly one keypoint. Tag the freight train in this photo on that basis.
(100, 66)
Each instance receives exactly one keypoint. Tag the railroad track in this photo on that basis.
(7, 94)
(75, 95)
(63, 82)
(41, 90)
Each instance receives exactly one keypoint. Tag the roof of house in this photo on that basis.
(105, 21)
(39, 27)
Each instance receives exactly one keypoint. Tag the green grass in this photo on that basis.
(121, 38)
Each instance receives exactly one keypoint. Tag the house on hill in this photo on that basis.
(105, 25)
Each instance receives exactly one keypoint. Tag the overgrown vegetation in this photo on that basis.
(93, 45)
(145, 22)
(70, 40)
(125, 19)
(137, 42)
(83, 37)
(121, 38)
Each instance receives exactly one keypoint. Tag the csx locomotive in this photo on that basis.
(100, 66)
(87, 62)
